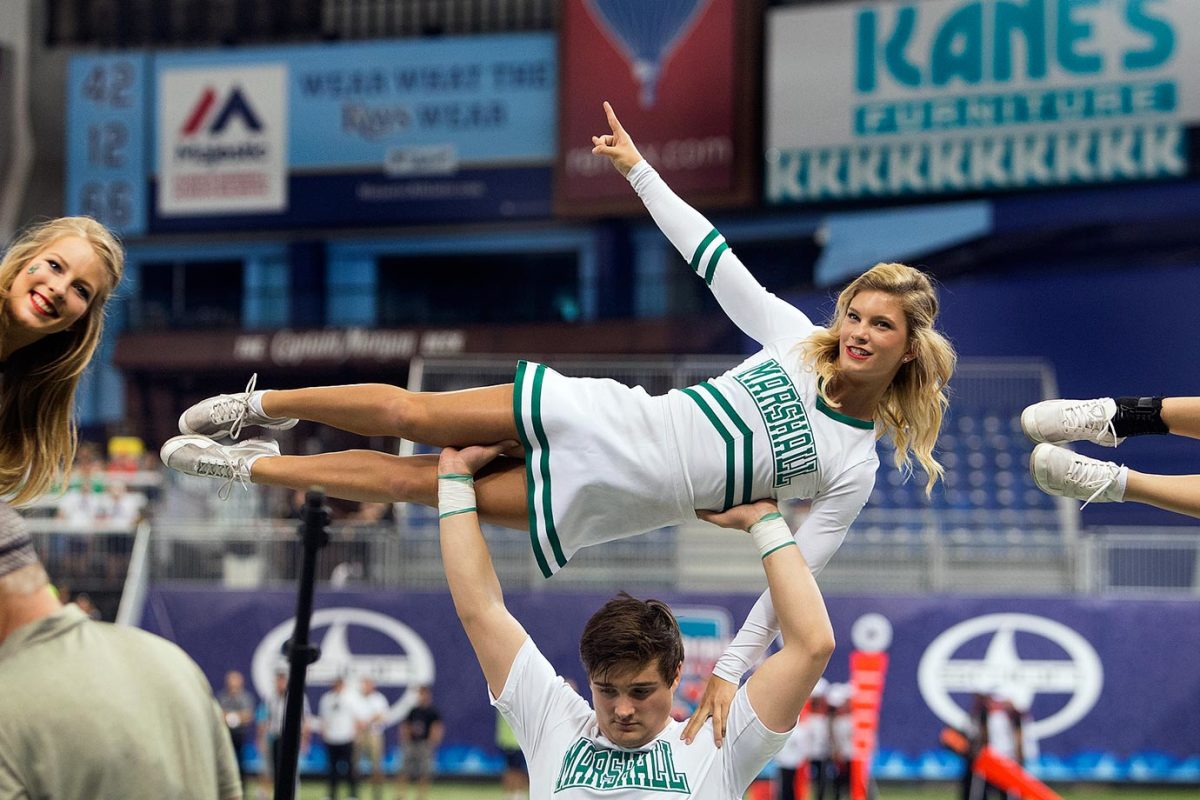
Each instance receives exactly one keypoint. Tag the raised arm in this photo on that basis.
(819, 537)
(778, 689)
(759, 314)
(494, 633)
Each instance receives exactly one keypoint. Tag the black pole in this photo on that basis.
(299, 652)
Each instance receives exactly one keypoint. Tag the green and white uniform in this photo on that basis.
(569, 759)
(605, 461)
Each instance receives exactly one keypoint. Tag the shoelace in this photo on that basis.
(234, 408)
(1089, 417)
(233, 470)
(1098, 475)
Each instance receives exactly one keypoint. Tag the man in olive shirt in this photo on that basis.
(90, 709)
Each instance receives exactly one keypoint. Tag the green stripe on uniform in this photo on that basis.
(712, 263)
(535, 410)
(695, 264)
(845, 419)
(725, 434)
(747, 441)
(519, 418)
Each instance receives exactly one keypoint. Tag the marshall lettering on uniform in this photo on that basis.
(600, 768)
(792, 442)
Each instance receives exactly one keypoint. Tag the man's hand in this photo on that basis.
(617, 145)
(470, 460)
(718, 696)
(740, 517)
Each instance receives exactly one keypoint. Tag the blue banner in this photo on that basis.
(414, 131)
(1109, 686)
(106, 147)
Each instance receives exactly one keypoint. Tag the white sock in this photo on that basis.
(1122, 479)
(255, 402)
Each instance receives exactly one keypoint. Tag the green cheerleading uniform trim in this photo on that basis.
(541, 469)
(744, 433)
(845, 419)
(710, 269)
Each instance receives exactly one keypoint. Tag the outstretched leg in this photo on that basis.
(1178, 493)
(1182, 415)
(440, 419)
(371, 476)
(461, 418)
(1059, 471)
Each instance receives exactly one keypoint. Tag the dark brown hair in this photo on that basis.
(630, 632)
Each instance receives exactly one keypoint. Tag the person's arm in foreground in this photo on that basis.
(819, 537)
(778, 689)
(495, 634)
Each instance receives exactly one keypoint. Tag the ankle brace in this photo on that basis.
(1137, 416)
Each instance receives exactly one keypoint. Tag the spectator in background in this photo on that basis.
(143, 721)
(373, 708)
(791, 760)
(420, 734)
(841, 737)
(514, 780)
(1002, 731)
(238, 707)
(339, 713)
(270, 729)
(86, 500)
(84, 601)
(817, 732)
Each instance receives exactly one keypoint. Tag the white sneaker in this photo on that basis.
(227, 414)
(1059, 421)
(1059, 471)
(199, 455)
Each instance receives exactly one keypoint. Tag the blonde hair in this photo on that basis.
(915, 402)
(38, 436)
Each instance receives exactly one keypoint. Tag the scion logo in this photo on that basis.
(1079, 676)
(406, 665)
(235, 106)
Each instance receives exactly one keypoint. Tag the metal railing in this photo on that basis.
(696, 557)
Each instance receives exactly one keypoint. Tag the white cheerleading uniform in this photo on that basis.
(605, 461)
(569, 759)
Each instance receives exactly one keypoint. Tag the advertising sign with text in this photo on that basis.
(681, 78)
(893, 99)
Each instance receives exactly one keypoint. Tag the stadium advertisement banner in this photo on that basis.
(682, 78)
(889, 99)
(1109, 687)
(451, 129)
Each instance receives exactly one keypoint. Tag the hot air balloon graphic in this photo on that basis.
(646, 33)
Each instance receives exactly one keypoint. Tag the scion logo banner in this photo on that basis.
(397, 658)
(1078, 676)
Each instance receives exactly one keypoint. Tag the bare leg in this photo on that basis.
(1182, 415)
(1178, 493)
(456, 419)
(371, 476)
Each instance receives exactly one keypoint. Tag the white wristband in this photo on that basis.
(771, 533)
(456, 495)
